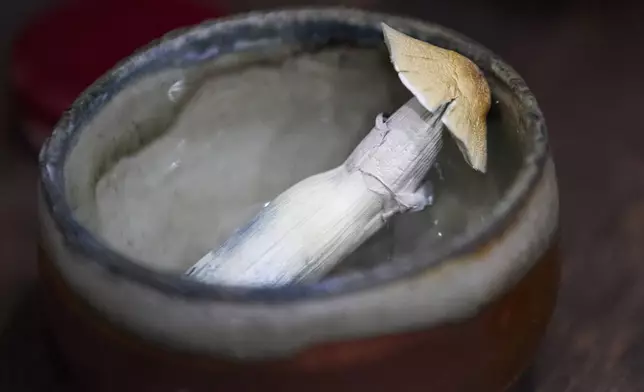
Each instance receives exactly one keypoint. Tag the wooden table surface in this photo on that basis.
(585, 66)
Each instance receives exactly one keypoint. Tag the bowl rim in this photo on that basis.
(52, 158)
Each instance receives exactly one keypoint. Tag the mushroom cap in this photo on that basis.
(435, 76)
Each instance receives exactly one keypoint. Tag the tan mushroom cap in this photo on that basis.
(436, 75)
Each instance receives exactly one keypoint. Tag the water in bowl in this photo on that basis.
(241, 135)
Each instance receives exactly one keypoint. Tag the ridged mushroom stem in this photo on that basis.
(308, 229)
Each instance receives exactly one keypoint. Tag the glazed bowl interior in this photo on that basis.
(340, 79)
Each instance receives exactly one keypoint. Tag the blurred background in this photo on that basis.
(582, 59)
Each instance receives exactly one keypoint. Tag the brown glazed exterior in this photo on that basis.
(354, 333)
(485, 353)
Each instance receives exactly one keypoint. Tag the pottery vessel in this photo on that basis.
(467, 317)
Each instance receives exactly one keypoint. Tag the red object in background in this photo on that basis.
(64, 50)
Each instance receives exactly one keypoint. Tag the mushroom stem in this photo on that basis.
(308, 229)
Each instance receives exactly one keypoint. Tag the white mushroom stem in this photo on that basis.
(308, 229)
